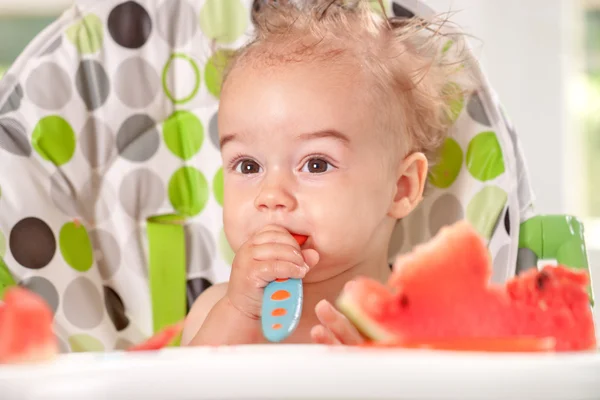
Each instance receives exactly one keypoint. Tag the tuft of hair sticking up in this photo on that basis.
(420, 73)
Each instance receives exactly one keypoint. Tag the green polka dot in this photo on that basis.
(447, 46)
(54, 140)
(75, 246)
(376, 6)
(167, 76)
(85, 343)
(484, 157)
(188, 191)
(223, 20)
(225, 249)
(485, 208)
(184, 134)
(455, 98)
(218, 186)
(87, 34)
(213, 73)
(2, 244)
(446, 170)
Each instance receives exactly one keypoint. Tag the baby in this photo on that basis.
(328, 121)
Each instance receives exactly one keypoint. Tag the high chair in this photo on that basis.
(111, 180)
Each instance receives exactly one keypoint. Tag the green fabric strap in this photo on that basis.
(6, 278)
(167, 270)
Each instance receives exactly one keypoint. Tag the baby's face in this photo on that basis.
(301, 149)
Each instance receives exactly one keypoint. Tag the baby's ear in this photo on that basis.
(410, 183)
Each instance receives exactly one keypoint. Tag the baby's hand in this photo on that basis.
(271, 254)
(335, 329)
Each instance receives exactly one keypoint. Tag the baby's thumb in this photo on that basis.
(311, 257)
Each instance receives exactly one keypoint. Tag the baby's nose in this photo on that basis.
(275, 195)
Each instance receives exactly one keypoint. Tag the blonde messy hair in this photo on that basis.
(414, 77)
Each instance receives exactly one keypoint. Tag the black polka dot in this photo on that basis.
(32, 243)
(130, 25)
(507, 222)
(400, 11)
(194, 288)
(115, 308)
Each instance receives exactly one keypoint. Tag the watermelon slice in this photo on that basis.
(26, 333)
(439, 296)
(160, 340)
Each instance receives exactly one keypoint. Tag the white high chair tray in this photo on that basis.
(306, 372)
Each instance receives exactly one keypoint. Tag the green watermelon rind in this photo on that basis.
(370, 328)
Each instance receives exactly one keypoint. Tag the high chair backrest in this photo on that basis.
(110, 173)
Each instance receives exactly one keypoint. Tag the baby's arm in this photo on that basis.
(213, 321)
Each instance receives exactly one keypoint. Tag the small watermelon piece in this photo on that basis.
(301, 239)
(26, 333)
(161, 339)
(440, 295)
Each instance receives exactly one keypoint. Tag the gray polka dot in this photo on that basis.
(96, 200)
(526, 259)
(82, 304)
(9, 84)
(201, 249)
(500, 265)
(213, 130)
(97, 142)
(45, 289)
(141, 193)
(445, 210)
(138, 139)
(135, 256)
(477, 111)
(107, 252)
(177, 13)
(13, 137)
(93, 202)
(52, 47)
(63, 346)
(63, 193)
(396, 241)
(136, 82)
(418, 227)
(123, 344)
(48, 86)
(92, 84)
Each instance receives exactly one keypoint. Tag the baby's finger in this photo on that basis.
(277, 269)
(321, 335)
(277, 251)
(338, 324)
(275, 236)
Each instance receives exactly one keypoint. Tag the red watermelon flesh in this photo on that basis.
(441, 292)
(161, 339)
(26, 329)
(26, 333)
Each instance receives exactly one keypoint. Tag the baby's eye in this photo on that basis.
(247, 167)
(316, 166)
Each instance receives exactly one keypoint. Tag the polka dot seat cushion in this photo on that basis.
(110, 175)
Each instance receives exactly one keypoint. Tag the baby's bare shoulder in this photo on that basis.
(200, 309)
